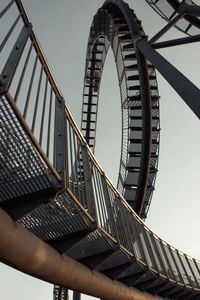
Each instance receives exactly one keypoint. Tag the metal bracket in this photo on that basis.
(60, 130)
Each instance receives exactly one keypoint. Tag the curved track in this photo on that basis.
(169, 9)
(120, 28)
(54, 187)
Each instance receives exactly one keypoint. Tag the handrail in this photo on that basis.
(89, 187)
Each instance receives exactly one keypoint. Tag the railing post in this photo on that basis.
(88, 183)
(138, 241)
(13, 59)
(112, 221)
(125, 225)
(76, 295)
(60, 141)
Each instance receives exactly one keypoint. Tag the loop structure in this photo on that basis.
(119, 28)
(168, 9)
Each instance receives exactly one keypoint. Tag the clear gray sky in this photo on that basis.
(62, 28)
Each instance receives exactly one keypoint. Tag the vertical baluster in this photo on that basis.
(49, 122)
(67, 151)
(9, 33)
(43, 113)
(76, 166)
(71, 159)
(138, 240)
(100, 220)
(159, 257)
(6, 8)
(23, 74)
(14, 58)
(30, 88)
(111, 219)
(37, 100)
(88, 182)
(103, 209)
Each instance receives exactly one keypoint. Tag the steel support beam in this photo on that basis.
(177, 42)
(166, 28)
(193, 10)
(22, 250)
(181, 84)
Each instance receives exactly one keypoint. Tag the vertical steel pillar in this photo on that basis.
(59, 141)
(76, 295)
(181, 84)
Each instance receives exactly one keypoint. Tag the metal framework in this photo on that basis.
(50, 180)
(171, 9)
(120, 28)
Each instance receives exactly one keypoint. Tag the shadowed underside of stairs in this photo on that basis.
(50, 181)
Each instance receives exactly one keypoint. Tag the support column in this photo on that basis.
(76, 295)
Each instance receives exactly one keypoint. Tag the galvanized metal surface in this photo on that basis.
(83, 216)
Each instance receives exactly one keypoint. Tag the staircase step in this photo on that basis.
(86, 121)
(95, 260)
(139, 141)
(131, 56)
(145, 285)
(97, 51)
(139, 107)
(153, 87)
(128, 47)
(129, 280)
(119, 21)
(126, 37)
(64, 243)
(92, 112)
(22, 205)
(140, 128)
(123, 28)
(94, 60)
(134, 88)
(99, 43)
(116, 271)
(94, 69)
(131, 67)
(92, 77)
(133, 77)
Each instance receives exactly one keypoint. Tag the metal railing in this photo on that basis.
(115, 216)
(27, 78)
(30, 87)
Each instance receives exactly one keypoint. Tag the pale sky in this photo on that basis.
(62, 28)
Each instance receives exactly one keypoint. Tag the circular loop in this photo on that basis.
(116, 25)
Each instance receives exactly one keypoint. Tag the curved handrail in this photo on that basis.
(99, 200)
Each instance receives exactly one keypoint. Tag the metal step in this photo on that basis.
(131, 56)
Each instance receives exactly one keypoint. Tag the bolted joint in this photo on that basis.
(136, 40)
